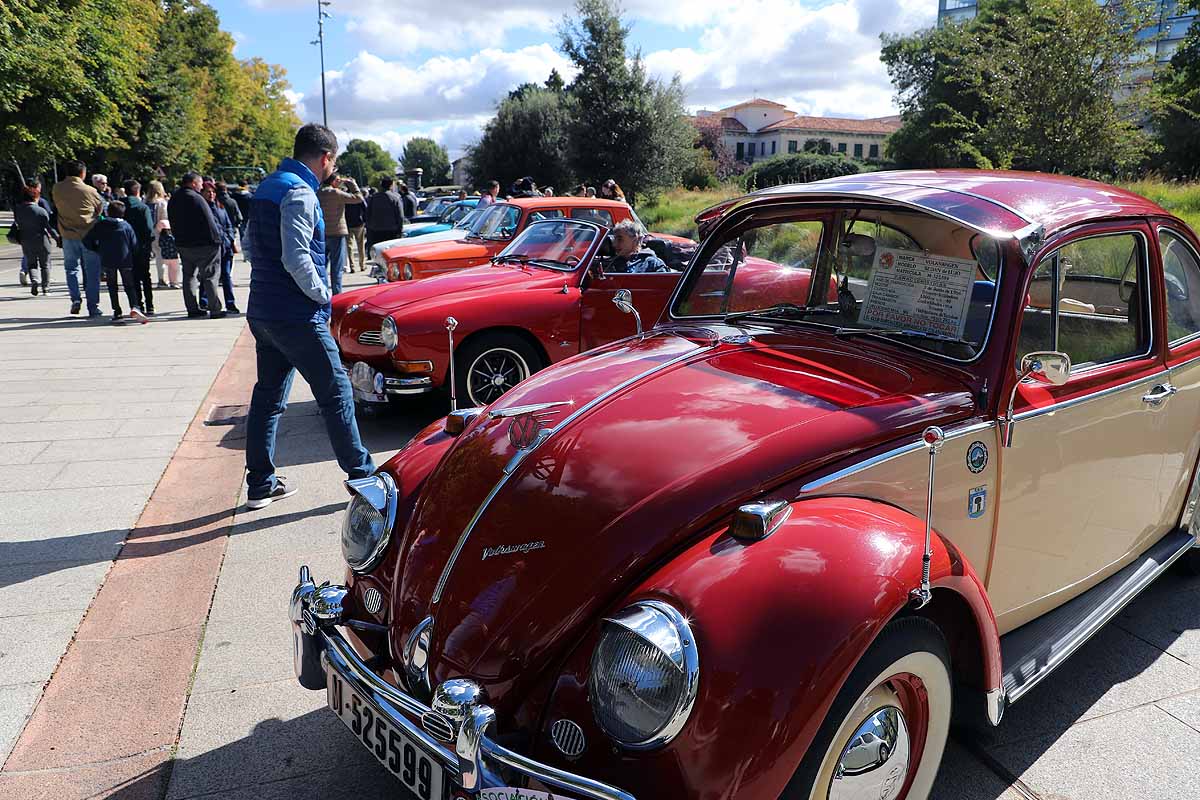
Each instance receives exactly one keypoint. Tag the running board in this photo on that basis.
(1037, 648)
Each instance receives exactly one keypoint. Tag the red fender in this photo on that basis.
(780, 624)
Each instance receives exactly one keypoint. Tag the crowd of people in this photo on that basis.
(191, 236)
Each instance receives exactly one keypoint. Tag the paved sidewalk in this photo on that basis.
(90, 415)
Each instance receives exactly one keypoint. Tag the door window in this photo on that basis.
(545, 213)
(1089, 300)
(596, 215)
(1181, 273)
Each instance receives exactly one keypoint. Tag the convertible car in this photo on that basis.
(759, 550)
(492, 231)
(545, 297)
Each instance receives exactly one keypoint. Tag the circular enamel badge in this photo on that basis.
(977, 457)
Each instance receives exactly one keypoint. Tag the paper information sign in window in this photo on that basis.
(917, 291)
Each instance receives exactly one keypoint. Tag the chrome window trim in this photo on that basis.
(511, 468)
(1074, 401)
(888, 455)
(1158, 230)
(1088, 366)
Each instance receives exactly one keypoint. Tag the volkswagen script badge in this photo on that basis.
(523, 431)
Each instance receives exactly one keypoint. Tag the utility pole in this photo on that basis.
(322, 15)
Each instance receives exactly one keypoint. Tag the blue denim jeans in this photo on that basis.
(284, 348)
(75, 256)
(335, 254)
(227, 279)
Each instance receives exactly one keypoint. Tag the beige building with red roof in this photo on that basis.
(759, 128)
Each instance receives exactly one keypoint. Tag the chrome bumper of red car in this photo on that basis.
(472, 761)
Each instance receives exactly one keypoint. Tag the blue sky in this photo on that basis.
(395, 70)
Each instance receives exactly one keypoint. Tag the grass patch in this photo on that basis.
(675, 211)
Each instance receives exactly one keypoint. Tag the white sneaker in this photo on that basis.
(139, 316)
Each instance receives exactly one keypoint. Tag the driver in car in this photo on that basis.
(629, 255)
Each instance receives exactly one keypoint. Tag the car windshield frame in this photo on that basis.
(588, 255)
(832, 216)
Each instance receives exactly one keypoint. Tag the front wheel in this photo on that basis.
(886, 731)
(490, 365)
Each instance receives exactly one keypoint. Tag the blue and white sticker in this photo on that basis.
(977, 457)
(977, 502)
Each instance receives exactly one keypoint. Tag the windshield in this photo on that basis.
(555, 244)
(917, 279)
(436, 206)
(468, 222)
(497, 222)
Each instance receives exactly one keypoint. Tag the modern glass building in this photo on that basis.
(1173, 23)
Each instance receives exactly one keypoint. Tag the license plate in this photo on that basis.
(362, 381)
(398, 753)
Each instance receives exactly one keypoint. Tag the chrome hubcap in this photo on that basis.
(493, 374)
(875, 763)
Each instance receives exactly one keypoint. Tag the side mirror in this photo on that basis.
(1046, 367)
(623, 300)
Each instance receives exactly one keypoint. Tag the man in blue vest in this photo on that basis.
(288, 314)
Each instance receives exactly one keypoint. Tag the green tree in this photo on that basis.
(264, 121)
(366, 161)
(72, 75)
(624, 125)
(527, 135)
(1177, 118)
(1047, 85)
(426, 154)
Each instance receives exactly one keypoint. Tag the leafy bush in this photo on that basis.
(700, 172)
(798, 168)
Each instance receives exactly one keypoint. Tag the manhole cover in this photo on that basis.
(226, 415)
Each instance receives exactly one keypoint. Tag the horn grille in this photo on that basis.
(568, 738)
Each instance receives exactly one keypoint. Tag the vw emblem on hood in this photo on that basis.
(523, 431)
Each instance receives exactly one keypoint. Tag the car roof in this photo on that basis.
(565, 201)
(1006, 202)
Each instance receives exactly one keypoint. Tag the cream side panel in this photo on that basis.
(903, 481)
(1183, 412)
(1085, 489)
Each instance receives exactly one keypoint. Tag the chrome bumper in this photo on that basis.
(472, 762)
(400, 386)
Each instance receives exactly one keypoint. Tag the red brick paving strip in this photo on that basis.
(109, 719)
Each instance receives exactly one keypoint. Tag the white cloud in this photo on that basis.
(372, 90)
(455, 136)
(822, 60)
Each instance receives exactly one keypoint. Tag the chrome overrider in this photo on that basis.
(475, 760)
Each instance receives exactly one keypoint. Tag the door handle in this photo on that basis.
(1158, 395)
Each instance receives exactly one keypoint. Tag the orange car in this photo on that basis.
(492, 232)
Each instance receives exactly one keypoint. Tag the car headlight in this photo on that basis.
(367, 526)
(407, 271)
(389, 334)
(645, 673)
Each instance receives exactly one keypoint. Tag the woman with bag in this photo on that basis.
(32, 223)
(165, 251)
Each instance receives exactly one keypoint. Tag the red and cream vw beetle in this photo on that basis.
(753, 552)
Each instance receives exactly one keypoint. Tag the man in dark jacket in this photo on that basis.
(226, 201)
(141, 218)
(288, 314)
(211, 193)
(408, 201)
(385, 214)
(115, 241)
(199, 241)
(356, 224)
(241, 195)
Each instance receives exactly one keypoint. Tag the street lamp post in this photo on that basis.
(322, 15)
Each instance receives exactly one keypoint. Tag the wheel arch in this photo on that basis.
(523, 333)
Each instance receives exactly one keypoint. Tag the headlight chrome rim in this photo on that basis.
(379, 492)
(663, 627)
(389, 334)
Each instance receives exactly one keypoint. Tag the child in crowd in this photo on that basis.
(114, 239)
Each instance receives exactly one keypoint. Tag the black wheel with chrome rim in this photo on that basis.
(489, 366)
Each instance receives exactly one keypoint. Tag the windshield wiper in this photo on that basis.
(511, 259)
(937, 337)
(771, 311)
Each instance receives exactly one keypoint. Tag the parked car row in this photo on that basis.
(886, 443)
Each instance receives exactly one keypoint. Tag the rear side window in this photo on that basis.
(545, 213)
(1089, 299)
(1181, 273)
(596, 215)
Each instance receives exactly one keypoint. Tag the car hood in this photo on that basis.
(661, 438)
(487, 279)
(426, 250)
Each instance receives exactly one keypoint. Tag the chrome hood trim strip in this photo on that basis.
(511, 468)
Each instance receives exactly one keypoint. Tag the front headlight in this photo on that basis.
(367, 526)
(389, 334)
(407, 271)
(645, 673)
